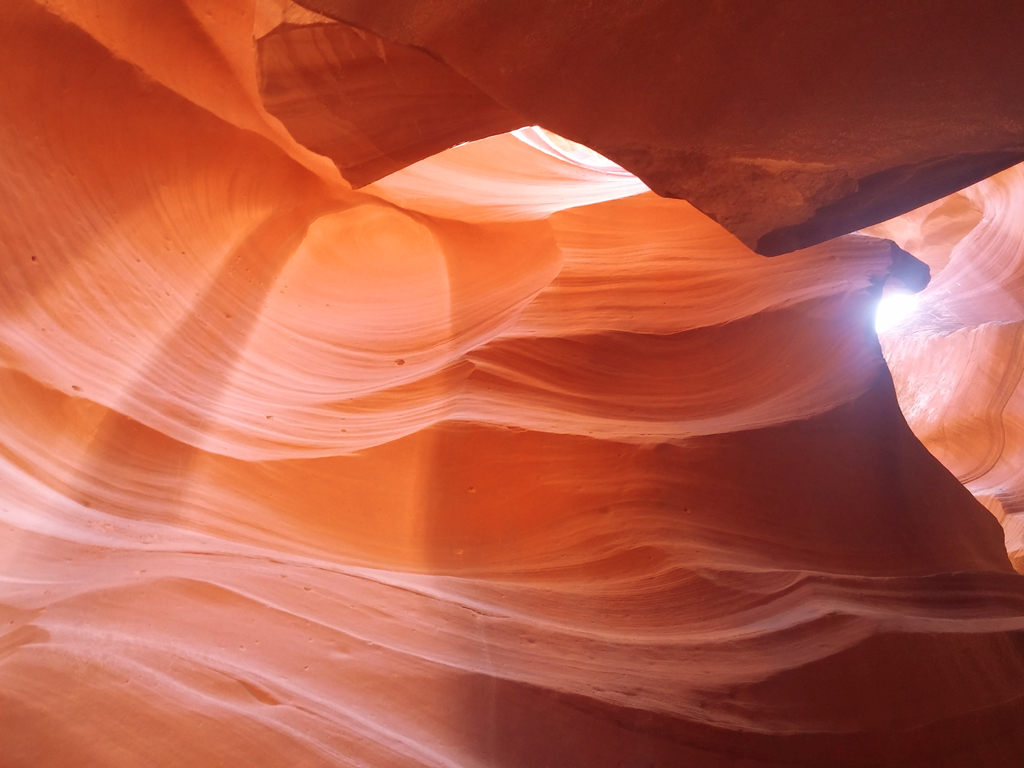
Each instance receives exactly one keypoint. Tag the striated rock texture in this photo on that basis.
(503, 459)
(957, 359)
(371, 106)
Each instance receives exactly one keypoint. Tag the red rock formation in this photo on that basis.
(788, 123)
(957, 359)
(371, 106)
(502, 459)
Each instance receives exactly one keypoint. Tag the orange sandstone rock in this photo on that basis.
(503, 459)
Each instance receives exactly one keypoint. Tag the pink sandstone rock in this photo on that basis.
(503, 459)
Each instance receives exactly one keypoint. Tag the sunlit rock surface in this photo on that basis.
(502, 459)
(958, 358)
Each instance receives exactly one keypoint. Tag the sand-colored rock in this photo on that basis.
(957, 359)
(502, 459)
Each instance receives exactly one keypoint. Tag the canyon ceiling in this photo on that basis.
(463, 383)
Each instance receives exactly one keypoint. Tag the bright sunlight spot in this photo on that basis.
(893, 309)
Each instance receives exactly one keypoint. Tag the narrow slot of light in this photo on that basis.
(552, 143)
(893, 309)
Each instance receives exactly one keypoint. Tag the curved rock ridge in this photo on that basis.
(460, 183)
(501, 460)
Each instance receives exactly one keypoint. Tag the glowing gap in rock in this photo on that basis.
(893, 309)
(559, 146)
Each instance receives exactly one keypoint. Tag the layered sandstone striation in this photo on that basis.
(347, 419)
(957, 359)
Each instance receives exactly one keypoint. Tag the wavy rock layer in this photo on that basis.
(501, 460)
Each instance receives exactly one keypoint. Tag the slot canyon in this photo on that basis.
(481, 384)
